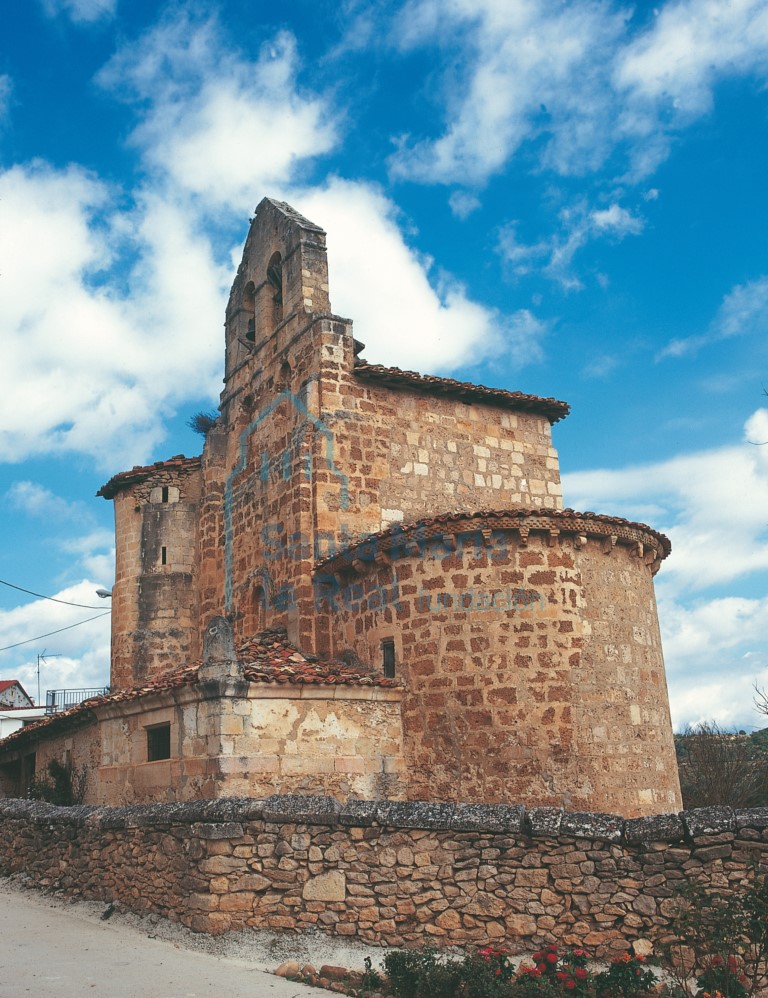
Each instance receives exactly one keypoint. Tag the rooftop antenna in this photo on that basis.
(42, 658)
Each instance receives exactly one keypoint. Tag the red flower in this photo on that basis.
(580, 972)
(538, 957)
(551, 957)
(570, 984)
(530, 971)
(541, 967)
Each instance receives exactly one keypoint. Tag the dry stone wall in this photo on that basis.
(387, 873)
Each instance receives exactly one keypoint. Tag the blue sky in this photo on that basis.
(567, 199)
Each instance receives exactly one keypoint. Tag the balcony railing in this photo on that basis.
(56, 700)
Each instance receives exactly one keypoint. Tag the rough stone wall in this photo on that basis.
(393, 874)
(533, 666)
(234, 738)
(309, 458)
(154, 598)
(411, 455)
(257, 534)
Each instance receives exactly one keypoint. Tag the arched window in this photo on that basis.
(249, 310)
(259, 609)
(275, 281)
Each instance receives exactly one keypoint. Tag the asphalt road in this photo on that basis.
(49, 947)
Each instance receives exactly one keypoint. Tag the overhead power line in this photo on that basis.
(50, 633)
(82, 606)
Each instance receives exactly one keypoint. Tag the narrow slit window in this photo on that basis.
(163, 556)
(164, 496)
(388, 658)
(159, 742)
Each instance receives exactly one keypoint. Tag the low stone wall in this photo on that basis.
(387, 872)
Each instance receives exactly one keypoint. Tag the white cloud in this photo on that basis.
(81, 11)
(579, 80)
(219, 125)
(463, 203)
(578, 226)
(37, 501)
(222, 131)
(691, 493)
(76, 656)
(756, 432)
(81, 369)
(113, 300)
(529, 68)
(6, 89)
(689, 47)
(712, 505)
(601, 366)
(616, 221)
(744, 310)
(716, 653)
(388, 292)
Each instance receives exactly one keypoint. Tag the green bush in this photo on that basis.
(63, 785)
(720, 940)
(421, 974)
(626, 977)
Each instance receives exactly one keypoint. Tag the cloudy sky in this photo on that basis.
(564, 198)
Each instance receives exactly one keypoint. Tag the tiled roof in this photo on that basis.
(266, 658)
(393, 377)
(271, 658)
(8, 684)
(366, 549)
(141, 474)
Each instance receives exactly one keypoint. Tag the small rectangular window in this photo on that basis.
(164, 497)
(163, 556)
(159, 742)
(388, 656)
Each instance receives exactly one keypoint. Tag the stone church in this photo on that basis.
(367, 586)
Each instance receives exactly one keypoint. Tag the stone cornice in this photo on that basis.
(440, 532)
(505, 819)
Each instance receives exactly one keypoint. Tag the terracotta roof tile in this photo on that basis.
(268, 657)
(393, 377)
(142, 473)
